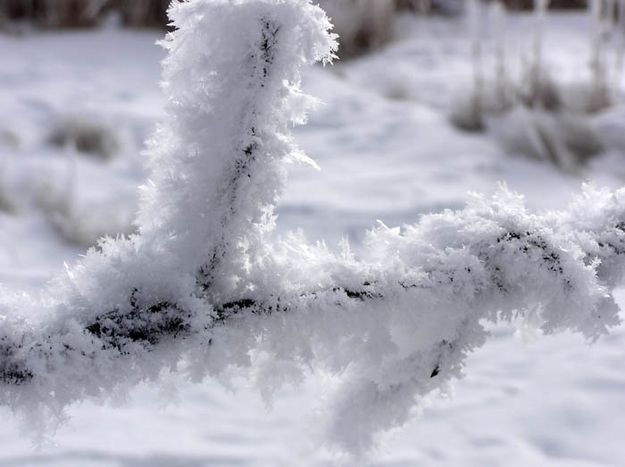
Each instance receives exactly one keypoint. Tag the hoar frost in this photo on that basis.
(203, 288)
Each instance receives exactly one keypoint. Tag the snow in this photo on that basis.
(526, 400)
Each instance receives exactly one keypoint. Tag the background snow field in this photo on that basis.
(75, 108)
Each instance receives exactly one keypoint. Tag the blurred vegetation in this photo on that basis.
(83, 13)
(362, 25)
(152, 13)
(556, 4)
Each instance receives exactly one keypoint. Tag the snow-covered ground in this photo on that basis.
(387, 151)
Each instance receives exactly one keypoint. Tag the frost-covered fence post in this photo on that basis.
(202, 287)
